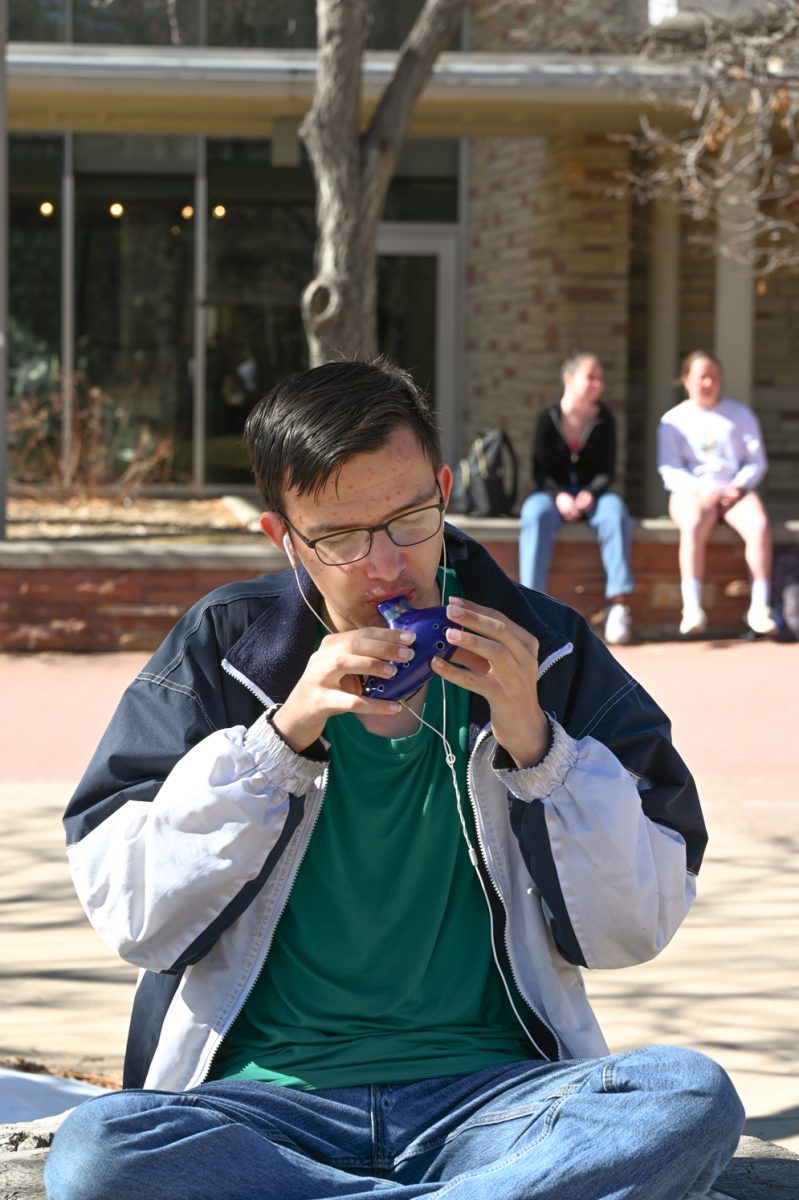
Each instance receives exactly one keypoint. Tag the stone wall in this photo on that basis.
(510, 366)
(548, 271)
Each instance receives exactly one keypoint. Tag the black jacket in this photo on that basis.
(556, 467)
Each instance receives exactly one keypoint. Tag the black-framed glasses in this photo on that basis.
(351, 545)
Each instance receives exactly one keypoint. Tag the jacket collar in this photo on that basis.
(272, 653)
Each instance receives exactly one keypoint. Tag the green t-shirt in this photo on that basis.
(381, 970)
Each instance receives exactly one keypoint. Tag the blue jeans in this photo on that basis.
(610, 522)
(652, 1124)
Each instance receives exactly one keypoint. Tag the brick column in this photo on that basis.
(548, 271)
(735, 293)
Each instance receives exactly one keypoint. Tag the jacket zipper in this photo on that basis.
(246, 683)
(520, 990)
(553, 659)
(546, 665)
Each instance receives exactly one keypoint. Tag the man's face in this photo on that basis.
(370, 489)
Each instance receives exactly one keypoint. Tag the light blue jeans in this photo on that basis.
(652, 1124)
(611, 523)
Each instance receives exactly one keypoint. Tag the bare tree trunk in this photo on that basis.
(353, 168)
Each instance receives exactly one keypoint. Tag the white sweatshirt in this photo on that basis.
(721, 445)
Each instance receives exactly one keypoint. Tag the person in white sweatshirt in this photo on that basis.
(711, 458)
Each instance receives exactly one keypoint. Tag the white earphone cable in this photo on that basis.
(320, 619)
(449, 755)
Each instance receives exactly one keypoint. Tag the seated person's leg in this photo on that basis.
(695, 519)
(612, 524)
(749, 520)
(540, 521)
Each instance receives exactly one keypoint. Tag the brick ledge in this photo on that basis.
(259, 555)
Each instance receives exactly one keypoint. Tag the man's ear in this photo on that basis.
(445, 478)
(272, 525)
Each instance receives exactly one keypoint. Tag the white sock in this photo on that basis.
(691, 590)
(761, 592)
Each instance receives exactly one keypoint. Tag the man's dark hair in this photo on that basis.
(303, 431)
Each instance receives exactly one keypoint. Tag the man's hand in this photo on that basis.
(566, 505)
(331, 684)
(499, 660)
(584, 501)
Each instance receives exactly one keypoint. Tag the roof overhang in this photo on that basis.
(221, 92)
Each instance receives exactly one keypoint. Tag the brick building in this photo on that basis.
(162, 229)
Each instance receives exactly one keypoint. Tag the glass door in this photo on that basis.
(418, 317)
(259, 259)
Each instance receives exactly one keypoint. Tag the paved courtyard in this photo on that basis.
(728, 984)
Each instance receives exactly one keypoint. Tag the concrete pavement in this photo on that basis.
(728, 984)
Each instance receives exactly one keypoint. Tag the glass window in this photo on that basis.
(99, 154)
(276, 24)
(280, 24)
(36, 20)
(137, 22)
(260, 256)
(406, 331)
(291, 24)
(34, 242)
(425, 183)
(134, 249)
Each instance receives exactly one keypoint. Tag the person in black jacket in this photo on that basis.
(574, 456)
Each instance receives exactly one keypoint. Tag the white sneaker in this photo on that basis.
(618, 625)
(760, 619)
(694, 620)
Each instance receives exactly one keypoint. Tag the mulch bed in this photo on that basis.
(33, 517)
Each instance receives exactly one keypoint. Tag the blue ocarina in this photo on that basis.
(429, 625)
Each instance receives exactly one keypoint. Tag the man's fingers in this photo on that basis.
(489, 627)
(485, 650)
(357, 664)
(472, 662)
(473, 681)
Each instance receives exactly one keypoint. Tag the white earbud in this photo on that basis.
(287, 546)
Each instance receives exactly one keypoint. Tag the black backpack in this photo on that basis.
(486, 480)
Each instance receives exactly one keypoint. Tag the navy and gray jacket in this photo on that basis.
(190, 824)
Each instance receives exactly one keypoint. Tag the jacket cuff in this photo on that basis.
(296, 771)
(539, 781)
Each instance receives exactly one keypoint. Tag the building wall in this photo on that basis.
(776, 367)
(634, 451)
(697, 290)
(508, 373)
(776, 388)
(548, 252)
